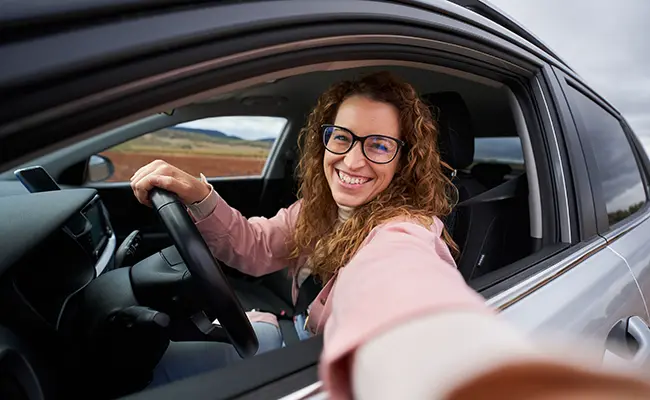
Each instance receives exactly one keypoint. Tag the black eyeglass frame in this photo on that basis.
(401, 144)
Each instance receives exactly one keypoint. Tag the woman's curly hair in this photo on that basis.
(419, 190)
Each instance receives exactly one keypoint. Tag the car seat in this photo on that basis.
(478, 228)
(491, 174)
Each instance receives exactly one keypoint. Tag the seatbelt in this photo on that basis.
(288, 331)
(307, 293)
(506, 190)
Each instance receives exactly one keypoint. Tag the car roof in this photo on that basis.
(491, 12)
(23, 11)
(17, 14)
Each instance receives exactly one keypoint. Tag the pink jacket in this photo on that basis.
(403, 270)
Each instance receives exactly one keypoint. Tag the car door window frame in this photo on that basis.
(571, 147)
(641, 154)
(513, 282)
(586, 242)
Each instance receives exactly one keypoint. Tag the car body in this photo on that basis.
(96, 75)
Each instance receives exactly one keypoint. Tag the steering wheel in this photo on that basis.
(206, 271)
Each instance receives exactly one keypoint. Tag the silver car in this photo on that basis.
(552, 219)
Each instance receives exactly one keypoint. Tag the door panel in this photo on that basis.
(587, 300)
(631, 242)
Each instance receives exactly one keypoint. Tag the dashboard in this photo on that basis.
(59, 289)
(92, 230)
(52, 244)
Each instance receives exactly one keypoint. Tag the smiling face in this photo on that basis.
(353, 179)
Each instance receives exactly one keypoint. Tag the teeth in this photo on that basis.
(350, 180)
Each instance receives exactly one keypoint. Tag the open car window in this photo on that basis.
(217, 147)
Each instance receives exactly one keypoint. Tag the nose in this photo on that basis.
(354, 159)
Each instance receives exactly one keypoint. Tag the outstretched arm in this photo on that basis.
(405, 325)
(403, 272)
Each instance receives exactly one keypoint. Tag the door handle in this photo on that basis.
(640, 332)
(628, 343)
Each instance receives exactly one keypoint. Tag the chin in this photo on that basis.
(349, 201)
(345, 203)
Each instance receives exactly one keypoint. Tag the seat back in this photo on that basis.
(476, 228)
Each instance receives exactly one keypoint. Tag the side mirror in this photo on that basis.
(100, 168)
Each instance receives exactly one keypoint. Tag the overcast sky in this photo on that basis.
(249, 128)
(606, 42)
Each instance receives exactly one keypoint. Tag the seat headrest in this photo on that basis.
(456, 136)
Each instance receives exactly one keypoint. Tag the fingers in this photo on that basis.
(170, 183)
(147, 169)
(144, 186)
(149, 176)
(162, 175)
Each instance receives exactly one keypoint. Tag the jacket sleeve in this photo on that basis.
(255, 246)
(404, 271)
(460, 355)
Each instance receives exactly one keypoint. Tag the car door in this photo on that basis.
(588, 290)
(618, 175)
(629, 236)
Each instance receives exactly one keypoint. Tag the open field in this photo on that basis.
(181, 142)
(126, 163)
(192, 152)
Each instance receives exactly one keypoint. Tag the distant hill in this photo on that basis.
(219, 134)
(213, 133)
(185, 137)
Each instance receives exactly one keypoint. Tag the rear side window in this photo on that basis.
(618, 170)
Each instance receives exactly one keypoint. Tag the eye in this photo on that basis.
(380, 146)
(341, 137)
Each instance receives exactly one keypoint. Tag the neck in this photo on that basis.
(344, 213)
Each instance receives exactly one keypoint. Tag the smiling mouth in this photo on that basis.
(352, 180)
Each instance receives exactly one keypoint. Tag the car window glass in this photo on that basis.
(618, 170)
(500, 150)
(216, 147)
(497, 159)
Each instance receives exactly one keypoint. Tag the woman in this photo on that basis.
(372, 192)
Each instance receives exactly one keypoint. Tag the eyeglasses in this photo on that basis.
(376, 148)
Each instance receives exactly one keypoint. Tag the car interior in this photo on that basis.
(105, 320)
